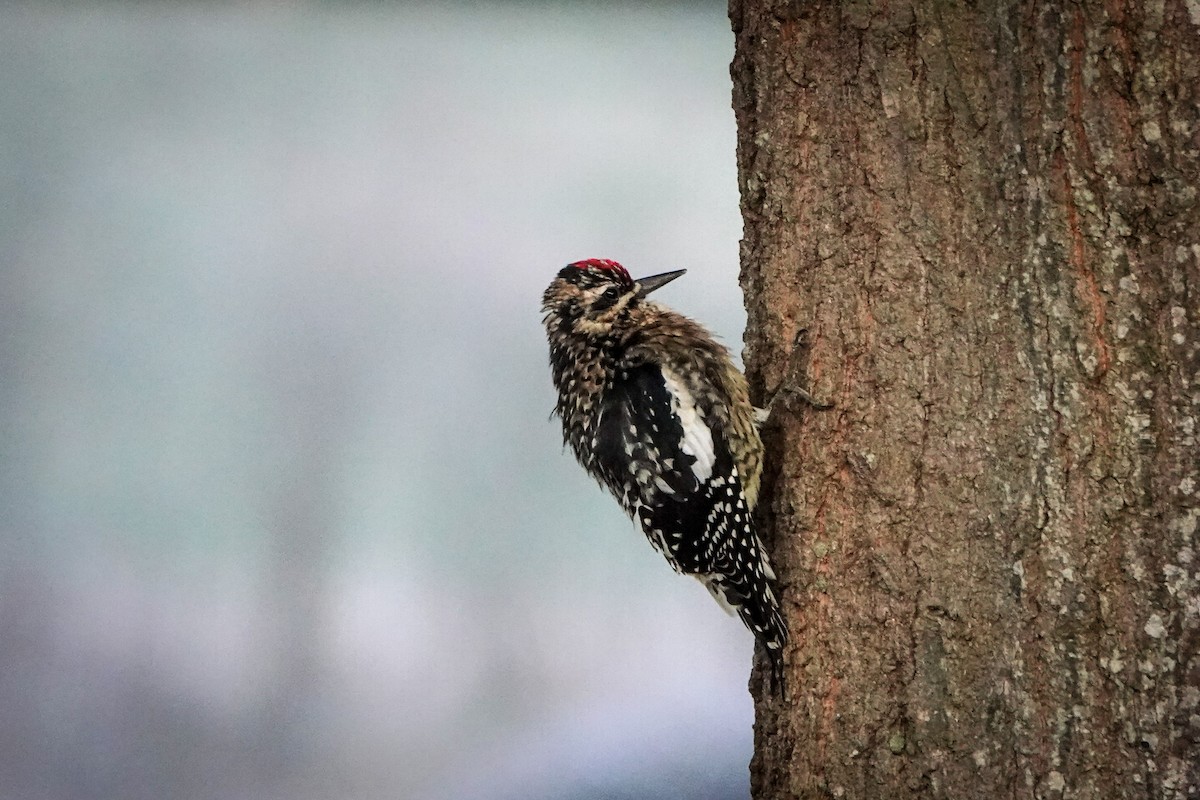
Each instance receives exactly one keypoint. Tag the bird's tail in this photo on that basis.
(773, 641)
(754, 601)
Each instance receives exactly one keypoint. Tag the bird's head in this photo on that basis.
(587, 298)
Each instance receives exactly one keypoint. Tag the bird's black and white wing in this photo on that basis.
(656, 451)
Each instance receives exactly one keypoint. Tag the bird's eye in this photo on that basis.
(607, 299)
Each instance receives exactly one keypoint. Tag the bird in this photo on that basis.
(654, 409)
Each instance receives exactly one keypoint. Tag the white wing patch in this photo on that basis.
(697, 438)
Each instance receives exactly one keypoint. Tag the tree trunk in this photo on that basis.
(985, 217)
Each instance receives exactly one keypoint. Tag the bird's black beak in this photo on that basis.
(647, 285)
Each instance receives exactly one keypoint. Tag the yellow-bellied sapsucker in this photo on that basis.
(655, 410)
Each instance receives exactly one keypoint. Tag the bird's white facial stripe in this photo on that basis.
(697, 438)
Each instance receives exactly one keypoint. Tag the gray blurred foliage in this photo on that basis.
(282, 511)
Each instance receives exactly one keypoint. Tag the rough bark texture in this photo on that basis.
(986, 217)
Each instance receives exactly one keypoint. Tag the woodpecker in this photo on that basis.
(655, 410)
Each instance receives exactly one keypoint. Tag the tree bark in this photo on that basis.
(985, 217)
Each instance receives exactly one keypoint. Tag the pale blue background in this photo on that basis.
(282, 512)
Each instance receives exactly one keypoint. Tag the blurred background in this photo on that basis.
(283, 513)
